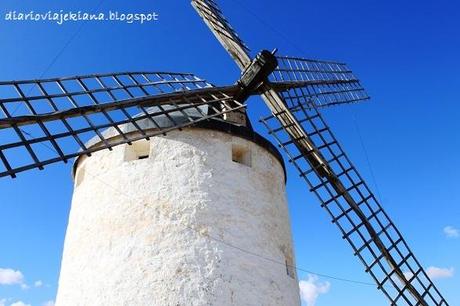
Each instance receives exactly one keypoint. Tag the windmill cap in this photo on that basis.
(162, 121)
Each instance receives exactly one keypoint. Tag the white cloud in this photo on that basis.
(38, 284)
(11, 277)
(451, 232)
(311, 289)
(48, 303)
(20, 303)
(436, 273)
(2, 302)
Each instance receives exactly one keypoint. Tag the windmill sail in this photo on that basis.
(48, 121)
(213, 17)
(293, 92)
(324, 83)
(304, 136)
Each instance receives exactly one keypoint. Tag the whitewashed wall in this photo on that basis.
(140, 231)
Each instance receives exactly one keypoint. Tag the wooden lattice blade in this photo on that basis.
(323, 83)
(303, 134)
(227, 36)
(49, 121)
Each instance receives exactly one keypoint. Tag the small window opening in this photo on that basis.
(137, 150)
(241, 155)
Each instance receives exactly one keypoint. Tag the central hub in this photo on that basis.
(256, 73)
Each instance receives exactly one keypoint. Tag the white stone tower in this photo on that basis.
(184, 219)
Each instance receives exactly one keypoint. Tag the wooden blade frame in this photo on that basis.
(48, 121)
(325, 83)
(227, 36)
(292, 97)
(329, 173)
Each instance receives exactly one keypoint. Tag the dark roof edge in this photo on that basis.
(236, 130)
(246, 133)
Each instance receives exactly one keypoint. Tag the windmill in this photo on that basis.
(47, 121)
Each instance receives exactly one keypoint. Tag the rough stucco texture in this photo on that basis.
(163, 230)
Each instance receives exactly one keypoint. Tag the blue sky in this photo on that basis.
(406, 53)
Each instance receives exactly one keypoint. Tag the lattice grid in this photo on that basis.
(214, 18)
(47, 121)
(326, 83)
(366, 225)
